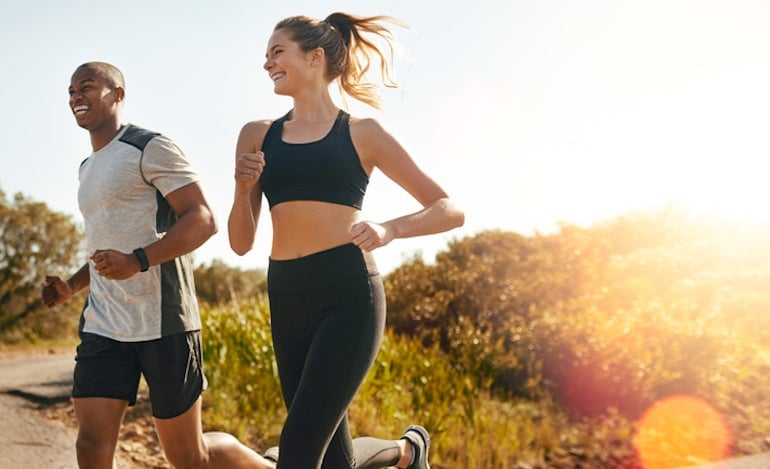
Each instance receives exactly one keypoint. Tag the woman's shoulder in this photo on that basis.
(370, 130)
(253, 134)
(257, 126)
(366, 127)
(256, 130)
(364, 122)
(260, 127)
(373, 141)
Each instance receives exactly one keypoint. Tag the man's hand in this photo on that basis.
(55, 291)
(115, 265)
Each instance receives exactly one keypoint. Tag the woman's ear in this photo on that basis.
(316, 56)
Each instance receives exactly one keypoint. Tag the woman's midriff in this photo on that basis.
(305, 227)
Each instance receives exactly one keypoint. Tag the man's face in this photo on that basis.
(92, 101)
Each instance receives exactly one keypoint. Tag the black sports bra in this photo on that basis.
(327, 170)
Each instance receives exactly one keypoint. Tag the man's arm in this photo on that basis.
(56, 291)
(196, 224)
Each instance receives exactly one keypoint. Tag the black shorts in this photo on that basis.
(172, 367)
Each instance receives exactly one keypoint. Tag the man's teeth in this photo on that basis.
(80, 109)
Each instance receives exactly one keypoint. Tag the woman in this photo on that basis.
(326, 298)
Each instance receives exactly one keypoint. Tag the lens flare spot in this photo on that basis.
(681, 431)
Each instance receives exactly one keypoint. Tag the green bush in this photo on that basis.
(408, 384)
(244, 395)
(35, 242)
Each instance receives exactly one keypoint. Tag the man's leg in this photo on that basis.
(226, 451)
(105, 380)
(186, 446)
(99, 421)
(173, 369)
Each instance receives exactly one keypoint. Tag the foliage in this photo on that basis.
(470, 428)
(480, 299)
(244, 395)
(617, 316)
(407, 384)
(660, 319)
(34, 241)
(219, 283)
(537, 351)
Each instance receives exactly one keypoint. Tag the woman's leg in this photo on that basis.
(328, 319)
(321, 376)
(326, 337)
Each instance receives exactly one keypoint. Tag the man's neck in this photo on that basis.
(103, 135)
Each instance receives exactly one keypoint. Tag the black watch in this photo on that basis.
(144, 264)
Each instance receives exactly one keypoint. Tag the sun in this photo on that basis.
(719, 192)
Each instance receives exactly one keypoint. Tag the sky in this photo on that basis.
(529, 113)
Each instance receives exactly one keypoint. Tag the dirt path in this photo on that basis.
(37, 428)
(27, 438)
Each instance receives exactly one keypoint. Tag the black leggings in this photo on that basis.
(328, 317)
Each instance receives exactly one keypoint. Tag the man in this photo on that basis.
(144, 213)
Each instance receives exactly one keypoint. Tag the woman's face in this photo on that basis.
(288, 66)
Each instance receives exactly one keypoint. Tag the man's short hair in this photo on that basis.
(110, 73)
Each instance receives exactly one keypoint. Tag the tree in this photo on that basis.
(34, 241)
(219, 284)
(480, 299)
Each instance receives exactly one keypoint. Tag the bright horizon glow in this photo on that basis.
(529, 114)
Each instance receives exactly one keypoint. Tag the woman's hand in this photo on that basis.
(248, 170)
(368, 235)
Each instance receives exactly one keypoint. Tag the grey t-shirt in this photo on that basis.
(122, 198)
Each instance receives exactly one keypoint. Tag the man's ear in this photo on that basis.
(119, 93)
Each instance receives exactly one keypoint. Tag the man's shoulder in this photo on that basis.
(137, 136)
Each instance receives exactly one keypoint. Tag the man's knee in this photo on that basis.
(181, 458)
(94, 449)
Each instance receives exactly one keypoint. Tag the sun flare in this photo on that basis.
(681, 431)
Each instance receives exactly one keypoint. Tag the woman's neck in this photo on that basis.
(316, 109)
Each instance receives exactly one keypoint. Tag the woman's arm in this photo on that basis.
(247, 201)
(377, 148)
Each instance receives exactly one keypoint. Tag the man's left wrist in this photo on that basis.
(144, 263)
